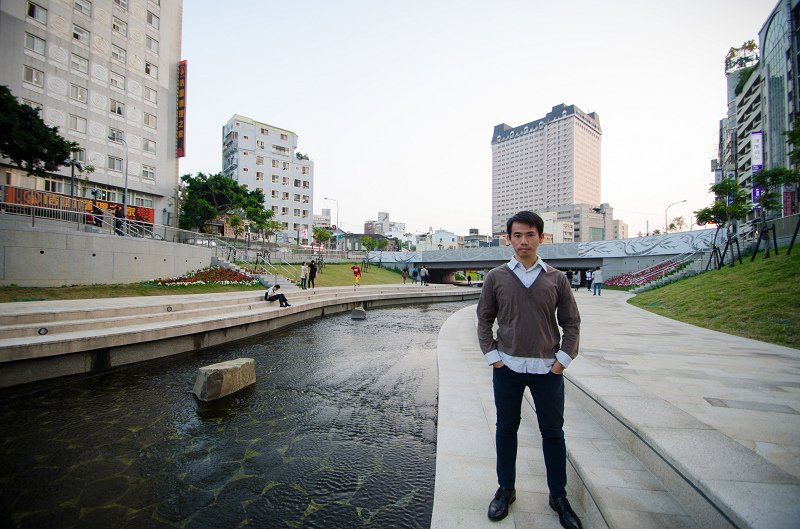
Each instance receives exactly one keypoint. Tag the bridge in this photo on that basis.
(615, 257)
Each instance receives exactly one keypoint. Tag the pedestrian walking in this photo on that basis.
(576, 280)
(423, 275)
(405, 275)
(119, 219)
(414, 275)
(530, 301)
(356, 275)
(469, 280)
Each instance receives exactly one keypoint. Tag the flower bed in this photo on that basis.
(209, 276)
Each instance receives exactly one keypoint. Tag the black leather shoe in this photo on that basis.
(567, 517)
(498, 509)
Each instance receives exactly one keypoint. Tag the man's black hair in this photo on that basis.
(526, 217)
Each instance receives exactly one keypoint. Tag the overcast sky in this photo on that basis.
(395, 102)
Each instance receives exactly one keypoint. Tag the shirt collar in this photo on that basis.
(513, 263)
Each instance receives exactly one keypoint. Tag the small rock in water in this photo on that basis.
(359, 313)
(221, 379)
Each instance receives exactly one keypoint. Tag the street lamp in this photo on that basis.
(72, 162)
(666, 224)
(337, 217)
(125, 193)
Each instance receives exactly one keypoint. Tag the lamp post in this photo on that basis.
(125, 193)
(337, 218)
(72, 162)
(666, 224)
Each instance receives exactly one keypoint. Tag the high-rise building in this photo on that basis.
(264, 156)
(546, 163)
(106, 73)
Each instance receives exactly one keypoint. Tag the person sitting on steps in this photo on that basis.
(273, 295)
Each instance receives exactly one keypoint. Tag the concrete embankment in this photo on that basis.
(47, 339)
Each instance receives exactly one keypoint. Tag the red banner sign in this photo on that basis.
(32, 197)
(180, 129)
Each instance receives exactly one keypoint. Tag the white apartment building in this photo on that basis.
(383, 226)
(550, 162)
(106, 73)
(323, 220)
(263, 156)
(560, 231)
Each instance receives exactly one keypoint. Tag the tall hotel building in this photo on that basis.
(106, 73)
(550, 162)
(263, 156)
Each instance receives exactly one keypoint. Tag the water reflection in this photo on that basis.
(339, 431)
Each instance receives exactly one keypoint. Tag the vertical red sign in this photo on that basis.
(180, 130)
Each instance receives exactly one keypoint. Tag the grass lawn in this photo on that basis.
(332, 275)
(759, 300)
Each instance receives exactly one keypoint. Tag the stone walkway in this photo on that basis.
(722, 412)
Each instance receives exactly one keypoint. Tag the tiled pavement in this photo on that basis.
(667, 425)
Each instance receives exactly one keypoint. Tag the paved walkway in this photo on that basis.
(712, 384)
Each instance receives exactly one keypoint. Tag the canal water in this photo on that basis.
(339, 431)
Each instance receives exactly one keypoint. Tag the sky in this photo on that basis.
(395, 102)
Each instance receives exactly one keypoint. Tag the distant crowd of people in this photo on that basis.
(591, 279)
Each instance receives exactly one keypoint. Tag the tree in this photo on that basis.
(369, 244)
(237, 225)
(27, 141)
(730, 204)
(769, 182)
(320, 235)
(205, 197)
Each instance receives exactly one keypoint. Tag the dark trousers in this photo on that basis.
(278, 297)
(311, 282)
(303, 283)
(548, 397)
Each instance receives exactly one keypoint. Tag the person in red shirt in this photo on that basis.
(356, 275)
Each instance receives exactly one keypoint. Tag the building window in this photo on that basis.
(284, 137)
(122, 3)
(264, 131)
(280, 150)
(305, 170)
(259, 144)
(259, 175)
(114, 164)
(33, 76)
(305, 184)
(79, 64)
(153, 20)
(115, 135)
(143, 201)
(285, 181)
(119, 26)
(83, 6)
(78, 93)
(152, 44)
(149, 146)
(296, 182)
(151, 70)
(79, 155)
(285, 166)
(275, 163)
(77, 124)
(80, 34)
(148, 171)
(297, 198)
(32, 104)
(275, 179)
(118, 80)
(150, 94)
(285, 196)
(53, 186)
(117, 53)
(305, 199)
(274, 194)
(259, 160)
(117, 108)
(34, 43)
(296, 212)
(37, 12)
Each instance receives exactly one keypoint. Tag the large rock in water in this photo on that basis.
(218, 380)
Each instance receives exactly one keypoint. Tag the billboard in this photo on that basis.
(757, 150)
(180, 129)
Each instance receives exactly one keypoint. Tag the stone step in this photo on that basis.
(647, 463)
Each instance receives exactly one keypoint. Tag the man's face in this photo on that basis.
(525, 240)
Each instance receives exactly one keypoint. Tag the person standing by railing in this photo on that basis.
(119, 218)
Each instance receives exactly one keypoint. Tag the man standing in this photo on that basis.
(530, 301)
(303, 275)
(597, 282)
(589, 280)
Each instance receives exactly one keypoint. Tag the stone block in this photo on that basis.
(358, 314)
(218, 380)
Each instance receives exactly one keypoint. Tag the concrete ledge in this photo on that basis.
(221, 379)
(136, 339)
